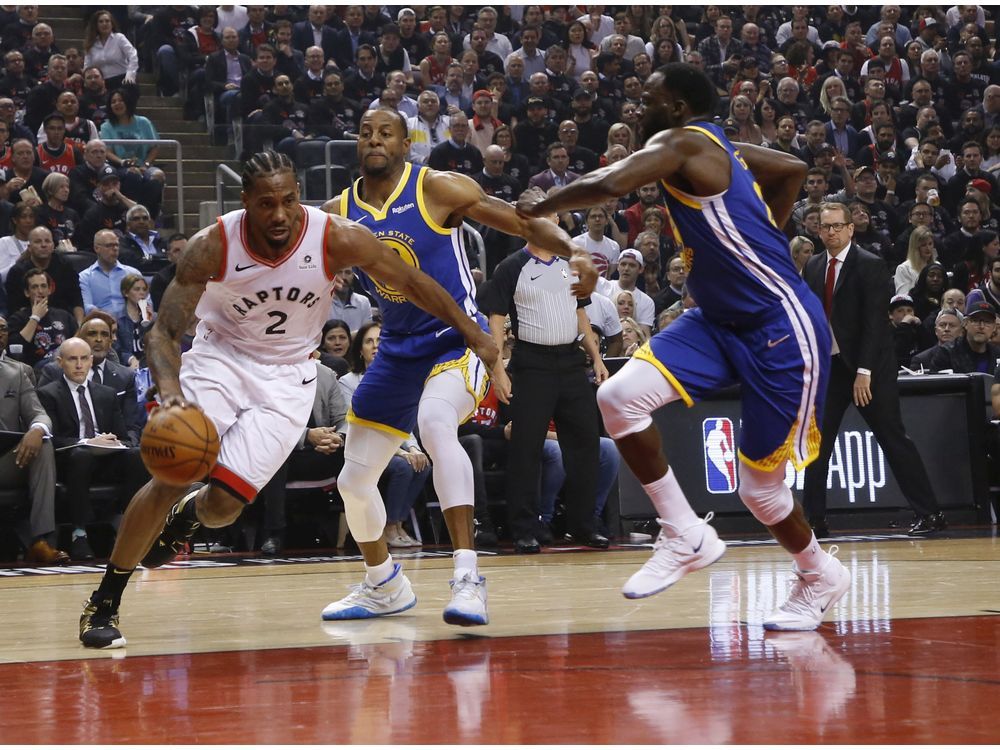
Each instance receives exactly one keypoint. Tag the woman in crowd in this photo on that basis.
(920, 252)
(625, 304)
(22, 221)
(914, 50)
(991, 150)
(741, 112)
(982, 250)
(832, 88)
(106, 48)
(580, 50)
(335, 345)
(434, 67)
(664, 30)
(865, 235)
(766, 115)
(517, 164)
(124, 123)
(134, 322)
(407, 472)
(666, 51)
(633, 336)
(619, 134)
(55, 214)
(926, 293)
(802, 249)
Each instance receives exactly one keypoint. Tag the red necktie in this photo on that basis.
(831, 280)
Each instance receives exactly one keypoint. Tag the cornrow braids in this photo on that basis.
(264, 163)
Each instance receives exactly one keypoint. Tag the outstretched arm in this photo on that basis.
(351, 244)
(199, 263)
(463, 196)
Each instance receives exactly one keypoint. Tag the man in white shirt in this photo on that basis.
(396, 82)
(629, 267)
(101, 283)
(498, 44)
(604, 251)
(428, 128)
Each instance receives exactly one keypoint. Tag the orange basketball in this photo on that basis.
(179, 445)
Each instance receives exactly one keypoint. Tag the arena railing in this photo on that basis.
(178, 161)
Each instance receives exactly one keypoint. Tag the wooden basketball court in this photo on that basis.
(227, 651)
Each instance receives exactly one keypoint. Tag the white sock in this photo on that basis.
(813, 557)
(465, 562)
(670, 503)
(378, 574)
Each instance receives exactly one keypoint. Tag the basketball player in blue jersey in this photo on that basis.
(757, 323)
(260, 281)
(424, 375)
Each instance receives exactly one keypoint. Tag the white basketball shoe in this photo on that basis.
(812, 596)
(468, 601)
(695, 547)
(365, 601)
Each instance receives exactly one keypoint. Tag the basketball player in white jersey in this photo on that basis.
(260, 282)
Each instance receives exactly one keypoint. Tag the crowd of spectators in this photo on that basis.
(895, 110)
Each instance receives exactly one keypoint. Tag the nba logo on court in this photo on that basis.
(720, 455)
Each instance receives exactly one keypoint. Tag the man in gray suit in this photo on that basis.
(318, 455)
(32, 458)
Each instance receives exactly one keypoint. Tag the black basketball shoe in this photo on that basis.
(99, 625)
(182, 522)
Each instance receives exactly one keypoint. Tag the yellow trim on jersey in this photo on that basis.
(463, 364)
(646, 355)
(379, 214)
(352, 418)
(423, 207)
(343, 202)
(683, 197)
(785, 451)
(709, 133)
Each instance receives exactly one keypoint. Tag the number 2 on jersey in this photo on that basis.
(279, 320)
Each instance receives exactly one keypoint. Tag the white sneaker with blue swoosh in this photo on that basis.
(392, 596)
(813, 595)
(674, 556)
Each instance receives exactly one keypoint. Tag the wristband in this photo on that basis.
(863, 371)
(35, 318)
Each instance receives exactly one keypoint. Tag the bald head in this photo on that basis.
(75, 359)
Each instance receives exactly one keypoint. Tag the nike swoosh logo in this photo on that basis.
(244, 268)
(696, 549)
(772, 344)
(533, 278)
(442, 331)
(307, 382)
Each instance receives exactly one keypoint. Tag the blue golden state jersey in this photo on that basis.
(738, 262)
(405, 225)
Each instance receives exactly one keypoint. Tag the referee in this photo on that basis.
(549, 380)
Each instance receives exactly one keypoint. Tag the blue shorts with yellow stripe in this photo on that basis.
(389, 394)
(782, 365)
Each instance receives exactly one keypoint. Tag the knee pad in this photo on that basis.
(363, 506)
(765, 494)
(437, 421)
(627, 399)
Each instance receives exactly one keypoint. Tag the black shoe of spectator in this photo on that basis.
(926, 525)
(544, 534)
(271, 547)
(589, 539)
(486, 534)
(527, 546)
(79, 549)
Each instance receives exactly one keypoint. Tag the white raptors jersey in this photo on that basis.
(271, 310)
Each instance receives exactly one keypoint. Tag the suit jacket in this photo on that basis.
(217, 71)
(329, 406)
(19, 404)
(853, 139)
(859, 317)
(546, 180)
(344, 50)
(60, 404)
(121, 380)
(302, 39)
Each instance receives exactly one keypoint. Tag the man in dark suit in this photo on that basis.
(854, 286)
(96, 331)
(558, 174)
(351, 37)
(315, 33)
(83, 411)
(223, 84)
(31, 459)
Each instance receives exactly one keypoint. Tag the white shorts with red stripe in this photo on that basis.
(260, 410)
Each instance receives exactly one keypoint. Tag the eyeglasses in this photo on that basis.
(838, 226)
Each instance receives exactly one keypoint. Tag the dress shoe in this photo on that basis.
(925, 525)
(44, 553)
(486, 534)
(527, 546)
(589, 539)
(80, 549)
(271, 547)
(544, 534)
